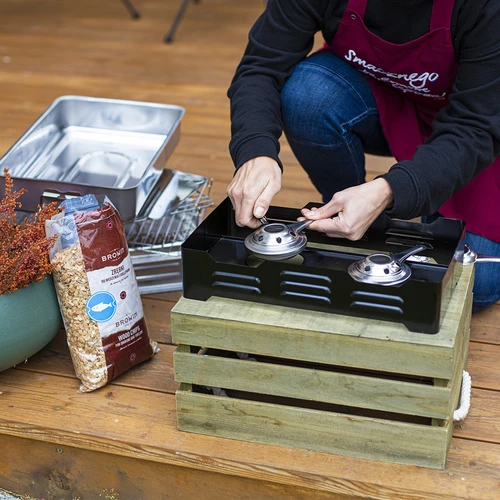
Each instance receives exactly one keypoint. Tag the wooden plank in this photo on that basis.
(302, 344)
(157, 314)
(49, 409)
(313, 385)
(51, 470)
(155, 374)
(165, 296)
(486, 326)
(461, 357)
(482, 422)
(55, 360)
(461, 363)
(316, 430)
(484, 366)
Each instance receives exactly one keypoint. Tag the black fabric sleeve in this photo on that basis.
(282, 36)
(466, 133)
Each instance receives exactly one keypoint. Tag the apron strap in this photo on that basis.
(358, 6)
(442, 12)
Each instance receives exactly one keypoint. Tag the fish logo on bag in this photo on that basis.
(101, 306)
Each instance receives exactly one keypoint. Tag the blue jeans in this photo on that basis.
(487, 280)
(330, 119)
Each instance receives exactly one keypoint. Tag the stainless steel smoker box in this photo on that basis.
(82, 145)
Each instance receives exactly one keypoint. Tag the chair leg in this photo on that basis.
(134, 13)
(169, 37)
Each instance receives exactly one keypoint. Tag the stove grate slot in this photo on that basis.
(305, 286)
(294, 285)
(298, 295)
(408, 233)
(295, 275)
(404, 242)
(236, 277)
(378, 297)
(372, 306)
(236, 282)
(237, 287)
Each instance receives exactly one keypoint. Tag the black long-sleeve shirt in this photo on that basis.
(466, 133)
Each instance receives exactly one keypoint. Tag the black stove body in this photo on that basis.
(216, 263)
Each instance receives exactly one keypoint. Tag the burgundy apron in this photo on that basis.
(411, 83)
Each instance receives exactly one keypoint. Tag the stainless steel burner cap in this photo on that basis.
(277, 241)
(382, 269)
(379, 269)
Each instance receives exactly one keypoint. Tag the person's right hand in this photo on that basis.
(252, 189)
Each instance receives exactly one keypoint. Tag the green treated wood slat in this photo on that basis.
(462, 356)
(283, 342)
(313, 430)
(460, 367)
(462, 346)
(314, 385)
(461, 353)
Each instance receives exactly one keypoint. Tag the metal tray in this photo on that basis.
(82, 145)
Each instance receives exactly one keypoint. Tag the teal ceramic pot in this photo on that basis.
(29, 320)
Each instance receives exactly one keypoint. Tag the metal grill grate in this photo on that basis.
(155, 244)
(166, 234)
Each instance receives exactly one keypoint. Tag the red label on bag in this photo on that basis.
(126, 348)
(102, 237)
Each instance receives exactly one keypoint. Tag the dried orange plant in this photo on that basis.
(24, 248)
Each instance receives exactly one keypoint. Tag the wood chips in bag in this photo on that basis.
(97, 291)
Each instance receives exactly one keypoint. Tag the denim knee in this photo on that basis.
(322, 97)
(486, 289)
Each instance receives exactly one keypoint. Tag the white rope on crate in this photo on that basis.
(461, 412)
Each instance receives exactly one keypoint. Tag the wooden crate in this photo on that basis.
(319, 381)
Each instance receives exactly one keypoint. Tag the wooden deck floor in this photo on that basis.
(59, 444)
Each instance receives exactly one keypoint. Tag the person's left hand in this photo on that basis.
(356, 208)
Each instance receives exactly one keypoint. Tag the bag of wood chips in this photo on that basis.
(97, 291)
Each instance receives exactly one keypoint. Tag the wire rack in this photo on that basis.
(155, 244)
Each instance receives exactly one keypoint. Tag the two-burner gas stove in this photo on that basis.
(216, 263)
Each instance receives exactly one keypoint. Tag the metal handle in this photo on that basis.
(468, 256)
(158, 192)
(402, 256)
(296, 226)
(487, 258)
(300, 226)
(49, 196)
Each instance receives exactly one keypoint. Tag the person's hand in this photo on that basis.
(356, 208)
(252, 189)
